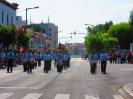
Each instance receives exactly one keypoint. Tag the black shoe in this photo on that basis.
(104, 72)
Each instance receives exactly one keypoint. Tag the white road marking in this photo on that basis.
(91, 97)
(126, 69)
(32, 96)
(118, 97)
(4, 74)
(19, 87)
(5, 95)
(62, 96)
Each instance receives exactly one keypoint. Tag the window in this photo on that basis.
(43, 31)
(7, 20)
(50, 34)
(2, 17)
(50, 29)
(11, 19)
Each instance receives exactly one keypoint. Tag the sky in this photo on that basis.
(71, 15)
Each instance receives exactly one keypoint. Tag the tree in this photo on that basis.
(123, 32)
(131, 18)
(108, 41)
(12, 35)
(22, 37)
(99, 42)
(7, 35)
(35, 27)
(99, 28)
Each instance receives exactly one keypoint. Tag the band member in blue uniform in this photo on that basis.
(93, 62)
(47, 59)
(103, 58)
(10, 58)
(24, 58)
(59, 61)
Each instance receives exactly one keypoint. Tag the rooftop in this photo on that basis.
(11, 5)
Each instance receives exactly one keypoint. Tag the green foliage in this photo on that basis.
(108, 41)
(27, 39)
(99, 42)
(98, 39)
(35, 27)
(131, 18)
(99, 28)
(123, 32)
(23, 39)
(7, 35)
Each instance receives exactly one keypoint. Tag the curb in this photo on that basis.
(126, 88)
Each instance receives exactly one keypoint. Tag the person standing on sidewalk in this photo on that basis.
(10, 58)
(103, 58)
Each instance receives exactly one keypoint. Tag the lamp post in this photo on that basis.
(77, 33)
(26, 14)
(27, 20)
(90, 25)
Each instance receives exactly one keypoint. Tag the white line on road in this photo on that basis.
(91, 97)
(32, 96)
(62, 96)
(118, 97)
(5, 95)
(19, 88)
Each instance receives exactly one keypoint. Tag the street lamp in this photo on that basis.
(59, 31)
(89, 28)
(90, 25)
(77, 33)
(26, 14)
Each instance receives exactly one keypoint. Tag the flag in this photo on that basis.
(36, 35)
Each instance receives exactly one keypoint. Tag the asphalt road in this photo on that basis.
(74, 83)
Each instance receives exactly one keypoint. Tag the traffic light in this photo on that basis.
(74, 33)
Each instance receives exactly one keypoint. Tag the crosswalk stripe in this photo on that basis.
(32, 96)
(62, 96)
(5, 95)
(118, 97)
(91, 97)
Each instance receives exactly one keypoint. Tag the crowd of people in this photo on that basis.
(113, 56)
(121, 57)
(31, 59)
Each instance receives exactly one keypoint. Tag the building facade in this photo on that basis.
(51, 30)
(75, 49)
(39, 41)
(7, 13)
(19, 21)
